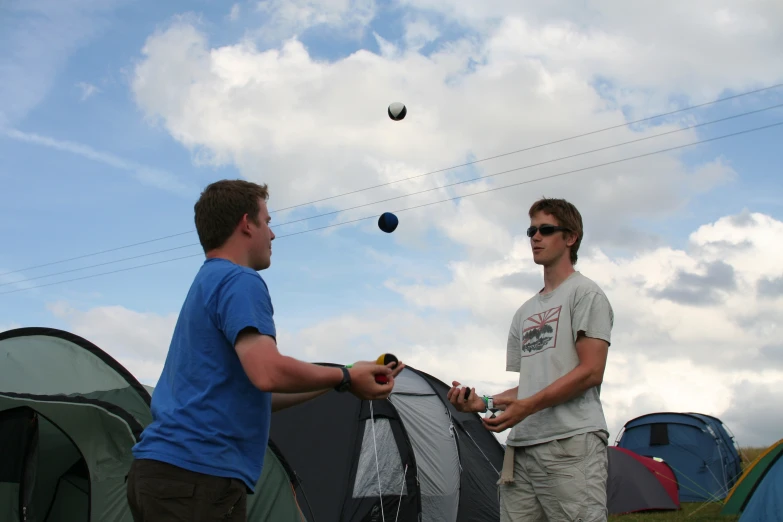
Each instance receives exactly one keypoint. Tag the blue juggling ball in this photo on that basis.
(388, 222)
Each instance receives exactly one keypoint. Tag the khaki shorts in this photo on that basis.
(558, 481)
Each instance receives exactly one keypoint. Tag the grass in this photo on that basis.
(750, 454)
(692, 511)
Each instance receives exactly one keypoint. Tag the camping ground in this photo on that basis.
(693, 511)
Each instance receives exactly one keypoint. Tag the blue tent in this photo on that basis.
(698, 447)
(766, 502)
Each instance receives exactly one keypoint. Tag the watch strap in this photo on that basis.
(346, 382)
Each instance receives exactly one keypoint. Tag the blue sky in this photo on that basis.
(89, 206)
(84, 170)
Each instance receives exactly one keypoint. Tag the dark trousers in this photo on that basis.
(160, 492)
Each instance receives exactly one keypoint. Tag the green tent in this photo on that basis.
(743, 490)
(69, 416)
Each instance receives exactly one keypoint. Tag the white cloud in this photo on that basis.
(38, 38)
(147, 175)
(707, 46)
(138, 340)
(751, 414)
(287, 17)
(233, 15)
(314, 129)
(88, 90)
(420, 32)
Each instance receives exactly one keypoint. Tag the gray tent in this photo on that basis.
(411, 457)
(69, 416)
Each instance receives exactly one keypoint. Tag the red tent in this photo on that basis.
(662, 471)
(638, 483)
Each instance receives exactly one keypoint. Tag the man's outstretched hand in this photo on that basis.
(363, 383)
(456, 396)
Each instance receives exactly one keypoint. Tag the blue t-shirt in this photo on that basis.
(207, 415)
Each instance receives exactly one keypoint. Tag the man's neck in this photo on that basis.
(554, 275)
(229, 254)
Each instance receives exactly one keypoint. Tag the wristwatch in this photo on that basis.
(489, 402)
(346, 382)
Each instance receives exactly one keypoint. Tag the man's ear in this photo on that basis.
(571, 239)
(244, 224)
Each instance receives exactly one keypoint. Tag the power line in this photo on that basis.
(649, 118)
(99, 264)
(542, 145)
(668, 149)
(421, 191)
(536, 164)
(96, 253)
(102, 273)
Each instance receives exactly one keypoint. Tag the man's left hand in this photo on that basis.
(515, 412)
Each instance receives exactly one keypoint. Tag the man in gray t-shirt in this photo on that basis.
(556, 464)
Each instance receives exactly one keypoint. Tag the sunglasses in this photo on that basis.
(546, 230)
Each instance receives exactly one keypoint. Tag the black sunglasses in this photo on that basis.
(546, 230)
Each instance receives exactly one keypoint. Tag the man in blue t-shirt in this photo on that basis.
(224, 376)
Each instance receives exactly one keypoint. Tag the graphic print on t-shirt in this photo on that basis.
(539, 331)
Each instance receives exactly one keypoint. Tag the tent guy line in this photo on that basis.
(649, 118)
(377, 465)
(660, 151)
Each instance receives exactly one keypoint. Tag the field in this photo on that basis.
(691, 511)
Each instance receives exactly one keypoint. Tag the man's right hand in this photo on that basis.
(363, 383)
(456, 396)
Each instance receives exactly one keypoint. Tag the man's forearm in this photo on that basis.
(281, 401)
(289, 375)
(271, 371)
(570, 385)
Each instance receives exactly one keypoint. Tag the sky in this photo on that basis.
(114, 115)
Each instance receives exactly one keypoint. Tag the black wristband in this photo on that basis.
(345, 384)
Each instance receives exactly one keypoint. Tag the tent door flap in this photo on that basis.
(19, 461)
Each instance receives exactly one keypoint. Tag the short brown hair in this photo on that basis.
(567, 216)
(222, 205)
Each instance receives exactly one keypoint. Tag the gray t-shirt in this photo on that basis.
(542, 348)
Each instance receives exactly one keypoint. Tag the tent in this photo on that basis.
(638, 483)
(766, 502)
(411, 457)
(69, 415)
(758, 493)
(698, 447)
